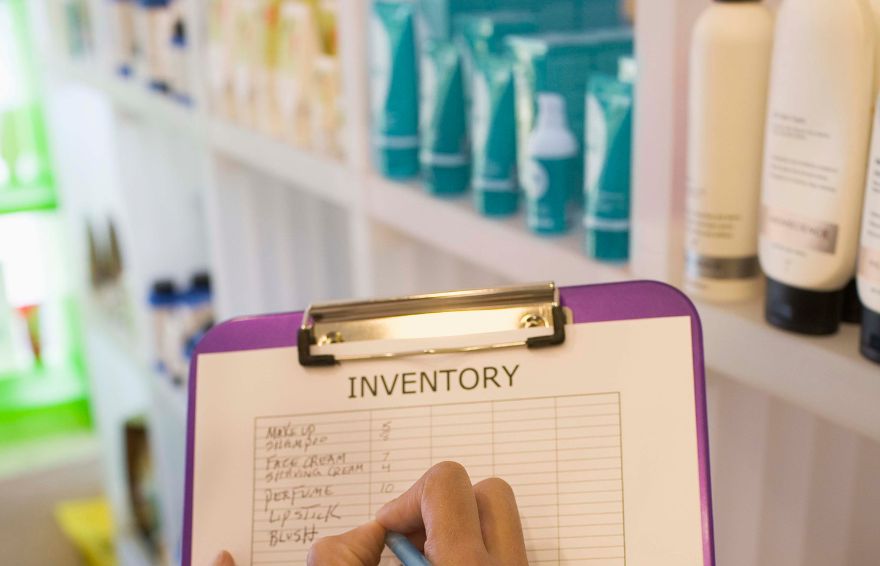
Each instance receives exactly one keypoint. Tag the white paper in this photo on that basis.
(597, 437)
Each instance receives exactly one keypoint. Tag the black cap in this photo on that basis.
(799, 310)
(164, 287)
(852, 306)
(871, 335)
(201, 281)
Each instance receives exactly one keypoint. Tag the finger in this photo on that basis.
(500, 522)
(358, 547)
(224, 559)
(418, 539)
(442, 502)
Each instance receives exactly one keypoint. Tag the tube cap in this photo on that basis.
(815, 313)
(871, 335)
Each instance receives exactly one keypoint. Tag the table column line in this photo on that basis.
(492, 433)
(556, 467)
(370, 474)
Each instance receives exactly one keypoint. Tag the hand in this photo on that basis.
(458, 524)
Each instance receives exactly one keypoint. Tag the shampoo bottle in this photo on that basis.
(816, 147)
(551, 153)
(729, 73)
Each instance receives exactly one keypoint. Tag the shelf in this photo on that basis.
(132, 552)
(172, 399)
(506, 246)
(322, 176)
(825, 375)
(27, 199)
(131, 96)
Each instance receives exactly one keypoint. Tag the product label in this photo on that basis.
(797, 232)
(869, 265)
(705, 267)
(597, 142)
(547, 186)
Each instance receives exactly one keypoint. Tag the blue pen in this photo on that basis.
(404, 550)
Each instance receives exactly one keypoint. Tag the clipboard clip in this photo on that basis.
(459, 321)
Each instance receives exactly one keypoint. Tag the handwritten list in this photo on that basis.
(321, 474)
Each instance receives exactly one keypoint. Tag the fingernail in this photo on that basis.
(224, 559)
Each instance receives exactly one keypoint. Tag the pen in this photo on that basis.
(404, 550)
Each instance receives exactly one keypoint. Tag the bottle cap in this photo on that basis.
(163, 293)
(871, 335)
(852, 305)
(551, 111)
(201, 281)
(799, 310)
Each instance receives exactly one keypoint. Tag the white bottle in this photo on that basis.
(818, 127)
(551, 153)
(869, 253)
(729, 73)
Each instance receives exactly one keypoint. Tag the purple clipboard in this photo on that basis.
(588, 303)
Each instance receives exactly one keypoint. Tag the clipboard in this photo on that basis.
(525, 321)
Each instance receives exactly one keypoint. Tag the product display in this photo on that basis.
(179, 319)
(495, 181)
(869, 253)
(445, 149)
(818, 127)
(544, 64)
(729, 73)
(608, 166)
(153, 28)
(394, 92)
(550, 162)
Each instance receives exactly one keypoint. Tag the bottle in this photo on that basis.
(729, 73)
(868, 279)
(154, 17)
(551, 153)
(816, 146)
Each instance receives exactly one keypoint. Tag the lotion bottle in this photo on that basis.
(729, 74)
(551, 153)
(816, 147)
(869, 254)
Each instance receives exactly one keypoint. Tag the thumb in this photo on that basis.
(224, 559)
(358, 547)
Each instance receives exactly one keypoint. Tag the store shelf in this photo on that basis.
(131, 95)
(27, 199)
(171, 398)
(132, 552)
(320, 175)
(825, 375)
(506, 246)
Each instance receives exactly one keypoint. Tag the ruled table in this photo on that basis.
(321, 474)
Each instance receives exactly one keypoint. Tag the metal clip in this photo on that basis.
(459, 321)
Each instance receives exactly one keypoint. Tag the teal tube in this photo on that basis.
(394, 80)
(445, 156)
(496, 189)
(609, 165)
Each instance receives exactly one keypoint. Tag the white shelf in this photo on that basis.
(825, 375)
(314, 173)
(506, 246)
(132, 552)
(131, 95)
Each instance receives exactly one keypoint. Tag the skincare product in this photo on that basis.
(181, 85)
(154, 17)
(299, 45)
(163, 302)
(493, 118)
(563, 63)
(729, 74)
(245, 60)
(266, 75)
(818, 126)
(394, 85)
(124, 36)
(608, 164)
(445, 153)
(550, 162)
(219, 56)
(869, 253)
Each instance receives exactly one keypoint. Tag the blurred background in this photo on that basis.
(167, 164)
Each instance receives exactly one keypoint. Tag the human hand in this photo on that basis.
(456, 523)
